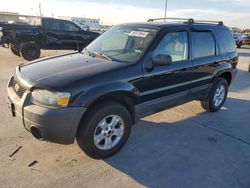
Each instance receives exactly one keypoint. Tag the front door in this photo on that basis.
(169, 84)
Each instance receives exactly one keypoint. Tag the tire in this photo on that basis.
(249, 67)
(30, 51)
(89, 129)
(15, 50)
(210, 104)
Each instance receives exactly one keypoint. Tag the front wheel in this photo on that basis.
(217, 96)
(104, 130)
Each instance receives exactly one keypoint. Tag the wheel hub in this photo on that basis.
(109, 132)
(219, 95)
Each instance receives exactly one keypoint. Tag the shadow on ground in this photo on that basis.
(199, 151)
(238, 85)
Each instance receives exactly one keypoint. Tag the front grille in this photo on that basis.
(18, 88)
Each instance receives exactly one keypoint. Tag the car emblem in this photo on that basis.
(16, 87)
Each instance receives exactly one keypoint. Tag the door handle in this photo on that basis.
(183, 69)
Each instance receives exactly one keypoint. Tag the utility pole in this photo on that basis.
(166, 8)
(40, 9)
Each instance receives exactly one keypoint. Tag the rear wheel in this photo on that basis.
(239, 45)
(217, 96)
(15, 50)
(104, 130)
(30, 51)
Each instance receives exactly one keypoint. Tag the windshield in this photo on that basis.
(123, 43)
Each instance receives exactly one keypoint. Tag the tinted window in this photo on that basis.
(203, 44)
(68, 26)
(174, 44)
(227, 40)
(51, 24)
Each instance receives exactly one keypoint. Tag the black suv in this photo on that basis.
(131, 71)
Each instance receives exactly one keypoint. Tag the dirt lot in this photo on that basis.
(181, 147)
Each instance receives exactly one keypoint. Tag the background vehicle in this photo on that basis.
(28, 40)
(129, 72)
(246, 39)
(238, 40)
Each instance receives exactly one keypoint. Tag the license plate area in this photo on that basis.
(11, 107)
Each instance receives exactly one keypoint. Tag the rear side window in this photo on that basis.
(51, 24)
(227, 40)
(203, 44)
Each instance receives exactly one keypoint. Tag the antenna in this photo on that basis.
(166, 8)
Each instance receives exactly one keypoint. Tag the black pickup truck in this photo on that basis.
(28, 40)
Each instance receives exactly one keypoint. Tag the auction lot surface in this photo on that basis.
(181, 147)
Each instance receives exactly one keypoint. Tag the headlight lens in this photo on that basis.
(50, 99)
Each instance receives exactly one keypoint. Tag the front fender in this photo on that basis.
(91, 95)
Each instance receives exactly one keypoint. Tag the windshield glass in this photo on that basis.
(123, 43)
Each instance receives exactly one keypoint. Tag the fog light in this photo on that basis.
(36, 133)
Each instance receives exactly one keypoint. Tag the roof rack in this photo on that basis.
(186, 20)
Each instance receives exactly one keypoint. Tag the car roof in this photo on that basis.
(162, 25)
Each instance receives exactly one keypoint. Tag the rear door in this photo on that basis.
(205, 57)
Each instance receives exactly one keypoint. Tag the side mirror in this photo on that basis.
(161, 60)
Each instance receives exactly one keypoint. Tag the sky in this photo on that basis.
(233, 12)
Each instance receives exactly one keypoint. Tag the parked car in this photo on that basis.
(28, 40)
(129, 72)
(246, 39)
(238, 40)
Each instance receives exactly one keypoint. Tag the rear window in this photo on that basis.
(227, 40)
(203, 44)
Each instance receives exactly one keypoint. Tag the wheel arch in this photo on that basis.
(224, 71)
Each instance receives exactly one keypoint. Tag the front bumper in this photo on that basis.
(54, 125)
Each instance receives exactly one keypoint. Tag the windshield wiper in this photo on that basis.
(98, 54)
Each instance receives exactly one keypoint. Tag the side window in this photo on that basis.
(227, 40)
(68, 26)
(51, 24)
(203, 44)
(174, 44)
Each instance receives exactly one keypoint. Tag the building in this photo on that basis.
(14, 17)
(9, 16)
(84, 23)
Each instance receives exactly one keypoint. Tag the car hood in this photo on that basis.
(60, 71)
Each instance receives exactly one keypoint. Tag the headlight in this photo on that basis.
(50, 99)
